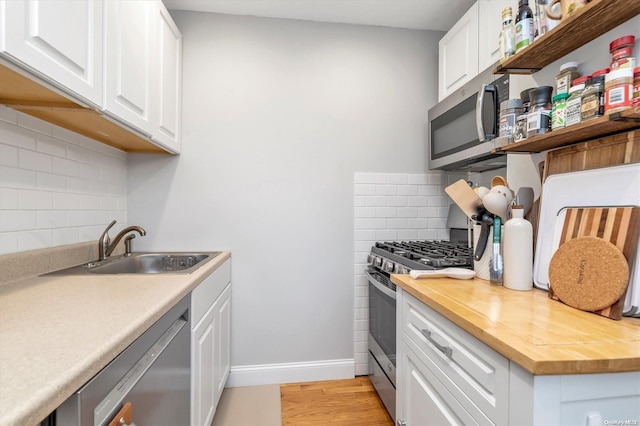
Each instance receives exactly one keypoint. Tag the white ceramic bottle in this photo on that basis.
(518, 251)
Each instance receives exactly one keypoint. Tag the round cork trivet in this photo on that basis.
(588, 273)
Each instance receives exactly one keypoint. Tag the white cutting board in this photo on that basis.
(609, 186)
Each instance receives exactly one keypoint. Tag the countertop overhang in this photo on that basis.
(544, 336)
(57, 332)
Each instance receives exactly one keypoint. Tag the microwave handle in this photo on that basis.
(482, 135)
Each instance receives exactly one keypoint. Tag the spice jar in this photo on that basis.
(636, 87)
(618, 86)
(539, 117)
(592, 104)
(574, 102)
(568, 73)
(558, 111)
(510, 110)
(622, 52)
(520, 131)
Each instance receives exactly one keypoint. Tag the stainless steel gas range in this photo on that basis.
(399, 257)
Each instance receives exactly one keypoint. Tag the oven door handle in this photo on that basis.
(383, 288)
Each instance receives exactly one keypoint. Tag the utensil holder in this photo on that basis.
(483, 266)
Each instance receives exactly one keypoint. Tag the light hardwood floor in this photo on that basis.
(335, 402)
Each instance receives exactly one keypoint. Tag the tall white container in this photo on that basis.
(517, 251)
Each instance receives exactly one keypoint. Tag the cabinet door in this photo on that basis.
(203, 351)
(129, 48)
(458, 54)
(61, 41)
(169, 81)
(490, 17)
(423, 399)
(222, 365)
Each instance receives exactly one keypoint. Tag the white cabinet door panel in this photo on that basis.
(61, 41)
(458, 54)
(223, 352)
(129, 49)
(203, 347)
(490, 17)
(169, 81)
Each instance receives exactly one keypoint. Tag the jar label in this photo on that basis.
(562, 84)
(507, 124)
(538, 122)
(618, 97)
(573, 111)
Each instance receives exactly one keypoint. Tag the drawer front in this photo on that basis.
(203, 296)
(472, 371)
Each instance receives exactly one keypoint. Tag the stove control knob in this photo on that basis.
(401, 270)
(388, 266)
(377, 261)
(370, 258)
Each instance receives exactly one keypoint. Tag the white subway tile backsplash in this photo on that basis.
(13, 177)
(52, 181)
(65, 167)
(33, 240)
(8, 155)
(8, 199)
(32, 160)
(51, 146)
(362, 212)
(34, 200)
(13, 135)
(17, 220)
(411, 207)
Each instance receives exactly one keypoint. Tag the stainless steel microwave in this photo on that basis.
(463, 125)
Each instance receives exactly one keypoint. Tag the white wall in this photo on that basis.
(278, 115)
(56, 187)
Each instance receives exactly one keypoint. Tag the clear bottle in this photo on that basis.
(518, 251)
(524, 25)
(507, 35)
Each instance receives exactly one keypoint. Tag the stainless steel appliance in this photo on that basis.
(462, 126)
(153, 374)
(399, 257)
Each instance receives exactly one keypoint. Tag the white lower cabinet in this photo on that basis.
(210, 343)
(447, 376)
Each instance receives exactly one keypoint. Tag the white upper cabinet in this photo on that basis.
(471, 45)
(458, 54)
(489, 26)
(169, 80)
(60, 41)
(129, 51)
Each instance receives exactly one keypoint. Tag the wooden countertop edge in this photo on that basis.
(480, 326)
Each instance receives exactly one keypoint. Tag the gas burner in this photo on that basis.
(402, 256)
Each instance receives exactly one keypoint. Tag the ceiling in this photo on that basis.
(437, 15)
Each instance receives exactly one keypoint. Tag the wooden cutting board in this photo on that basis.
(619, 226)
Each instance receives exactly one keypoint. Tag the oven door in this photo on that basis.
(382, 339)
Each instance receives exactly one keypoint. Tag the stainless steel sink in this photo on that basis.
(143, 263)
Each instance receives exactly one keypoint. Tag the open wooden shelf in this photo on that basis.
(593, 20)
(583, 131)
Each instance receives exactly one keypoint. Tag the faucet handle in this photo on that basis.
(105, 233)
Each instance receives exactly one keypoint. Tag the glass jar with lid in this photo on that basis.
(574, 102)
(558, 111)
(621, 50)
(539, 117)
(568, 73)
(592, 102)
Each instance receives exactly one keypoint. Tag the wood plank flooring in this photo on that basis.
(335, 402)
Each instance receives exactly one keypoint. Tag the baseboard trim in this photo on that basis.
(293, 372)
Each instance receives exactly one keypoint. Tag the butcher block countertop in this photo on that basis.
(57, 332)
(543, 336)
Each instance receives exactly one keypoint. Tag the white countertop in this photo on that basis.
(57, 332)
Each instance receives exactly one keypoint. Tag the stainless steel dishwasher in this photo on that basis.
(150, 379)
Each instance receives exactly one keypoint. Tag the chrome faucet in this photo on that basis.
(106, 247)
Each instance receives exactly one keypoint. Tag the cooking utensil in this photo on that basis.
(495, 273)
(462, 194)
(496, 203)
(457, 273)
(486, 220)
(498, 180)
(524, 197)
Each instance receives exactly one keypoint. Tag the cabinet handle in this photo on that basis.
(401, 422)
(444, 349)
